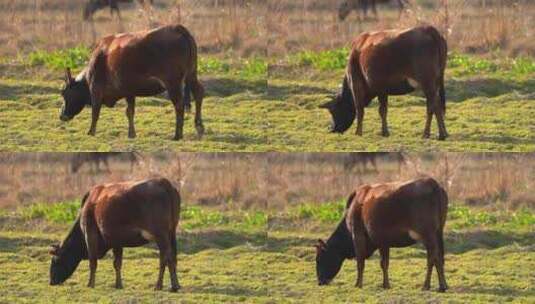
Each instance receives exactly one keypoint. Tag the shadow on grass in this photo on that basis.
(193, 242)
(232, 290)
(278, 92)
(224, 87)
(460, 90)
(500, 291)
(21, 91)
(456, 242)
(16, 244)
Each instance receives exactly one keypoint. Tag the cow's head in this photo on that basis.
(61, 267)
(75, 96)
(342, 109)
(328, 262)
(67, 256)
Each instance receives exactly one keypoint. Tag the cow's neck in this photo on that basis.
(341, 241)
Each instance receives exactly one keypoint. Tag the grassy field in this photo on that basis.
(490, 105)
(220, 260)
(233, 110)
(489, 258)
(230, 256)
(490, 108)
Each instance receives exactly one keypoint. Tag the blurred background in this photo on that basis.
(219, 26)
(275, 180)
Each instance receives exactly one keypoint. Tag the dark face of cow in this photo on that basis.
(75, 96)
(342, 111)
(62, 265)
(328, 263)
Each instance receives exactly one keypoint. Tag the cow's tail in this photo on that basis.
(442, 198)
(350, 199)
(192, 83)
(442, 57)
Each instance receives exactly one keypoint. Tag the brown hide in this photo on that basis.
(398, 214)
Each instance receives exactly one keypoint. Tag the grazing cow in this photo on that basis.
(361, 159)
(392, 62)
(113, 216)
(381, 216)
(142, 63)
(94, 5)
(347, 6)
(95, 158)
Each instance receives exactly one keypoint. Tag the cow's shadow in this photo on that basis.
(18, 92)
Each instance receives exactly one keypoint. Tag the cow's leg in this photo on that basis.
(383, 109)
(360, 271)
(385, 257)
(130, 111)
(172, 262)
(430, 92)
(175, 94)
(198, 94)
(443, 286)
(92, 241)
(117, 263)
(163, 246)
(431, 247)
(359, 242)
(439, 113)
(95, 113)
(360, 118)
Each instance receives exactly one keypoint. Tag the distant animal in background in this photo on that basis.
(385, 215)
(361, 159)
(117, 215)
(94, 159)
(392, 62)
(93, 6)
(361, 7)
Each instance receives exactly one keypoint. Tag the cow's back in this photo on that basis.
(123, 210)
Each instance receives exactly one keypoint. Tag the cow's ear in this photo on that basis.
(68, 76)
(328, 105)
(54, 248)
(321, 244)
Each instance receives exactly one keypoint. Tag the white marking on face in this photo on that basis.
(147, 235)
(414, 235)
(413, 83)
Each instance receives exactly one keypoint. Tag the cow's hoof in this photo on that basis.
(131, 136)
(119, 286)
(177, 137)
(385, 133)
(91, 133)
(426, 288)
(358, 285)
(158, 287)
(426, 135)
(200, 131)
(442, 289)
(442, 137)
(386, 286)
(174, 288)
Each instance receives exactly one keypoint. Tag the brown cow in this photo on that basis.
(347, 6)
(114, 216)
(381, 216)
(142, 63)
(392, 62)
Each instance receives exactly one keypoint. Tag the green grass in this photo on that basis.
(490, 105)
(257, 257)
(215, 261)
(489, 259)
(30, 100)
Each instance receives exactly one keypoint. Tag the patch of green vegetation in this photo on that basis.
(326, 212)
(329, 60)
(471, 65)
(74, 58)
(62, 212)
